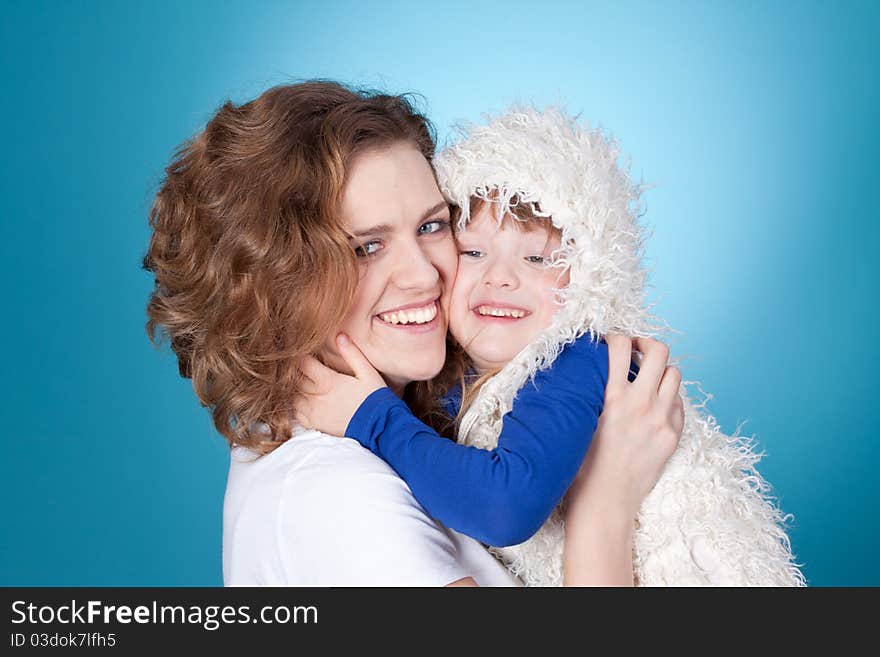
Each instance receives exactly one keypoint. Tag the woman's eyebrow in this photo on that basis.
(382, 229)
(442, 205)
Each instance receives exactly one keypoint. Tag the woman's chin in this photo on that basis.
(398, 380)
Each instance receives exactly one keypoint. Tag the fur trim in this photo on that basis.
(710, 518)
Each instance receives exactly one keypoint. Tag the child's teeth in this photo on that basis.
(500, 312)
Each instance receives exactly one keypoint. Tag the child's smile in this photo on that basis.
(504, 293)
(489, 310)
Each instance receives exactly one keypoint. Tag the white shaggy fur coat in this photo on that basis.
(710, 519)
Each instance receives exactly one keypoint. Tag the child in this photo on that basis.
(708, 519)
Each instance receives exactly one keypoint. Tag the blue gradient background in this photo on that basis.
(757, 126)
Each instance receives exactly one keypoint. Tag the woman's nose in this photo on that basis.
(416, 270)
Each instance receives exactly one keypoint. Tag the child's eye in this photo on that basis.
(471, 253)
(536, 259)
(368, 249)
(434, 226)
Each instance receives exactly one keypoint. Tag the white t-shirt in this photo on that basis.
(324, 511)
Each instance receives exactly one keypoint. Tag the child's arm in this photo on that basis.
(500, 496)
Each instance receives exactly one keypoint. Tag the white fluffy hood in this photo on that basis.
(572, 174)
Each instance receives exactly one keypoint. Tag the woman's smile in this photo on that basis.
(419, 316)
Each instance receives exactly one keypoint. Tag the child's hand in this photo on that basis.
(638, 430)
(330, 399)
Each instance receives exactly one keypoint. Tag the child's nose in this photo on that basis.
(499, 275)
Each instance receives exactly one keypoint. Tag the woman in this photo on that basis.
(261, 232)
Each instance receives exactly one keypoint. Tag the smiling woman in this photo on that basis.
(310, 210)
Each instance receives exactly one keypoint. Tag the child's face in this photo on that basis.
(503, 294)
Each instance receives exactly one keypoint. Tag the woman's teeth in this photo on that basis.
(500, 312)
(411, 316)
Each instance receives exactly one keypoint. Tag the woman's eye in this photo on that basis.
(471, 253)
(535, 259)
(434, 226)
(367, 249)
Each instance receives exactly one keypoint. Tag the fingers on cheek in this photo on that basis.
(308, 367)
(319, 379)
(318, 386)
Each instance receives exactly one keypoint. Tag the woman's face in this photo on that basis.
(400, 230)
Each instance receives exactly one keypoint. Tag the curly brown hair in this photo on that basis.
(253, 268)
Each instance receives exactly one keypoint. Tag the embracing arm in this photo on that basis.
(638, 432)
(500, 496)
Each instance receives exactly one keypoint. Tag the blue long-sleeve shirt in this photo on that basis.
(500, 496)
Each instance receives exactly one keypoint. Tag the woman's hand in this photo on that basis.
(638, 431)
(640, 425)
(329, 398)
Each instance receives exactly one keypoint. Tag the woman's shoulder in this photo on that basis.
(326, 470)
(322, 510)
